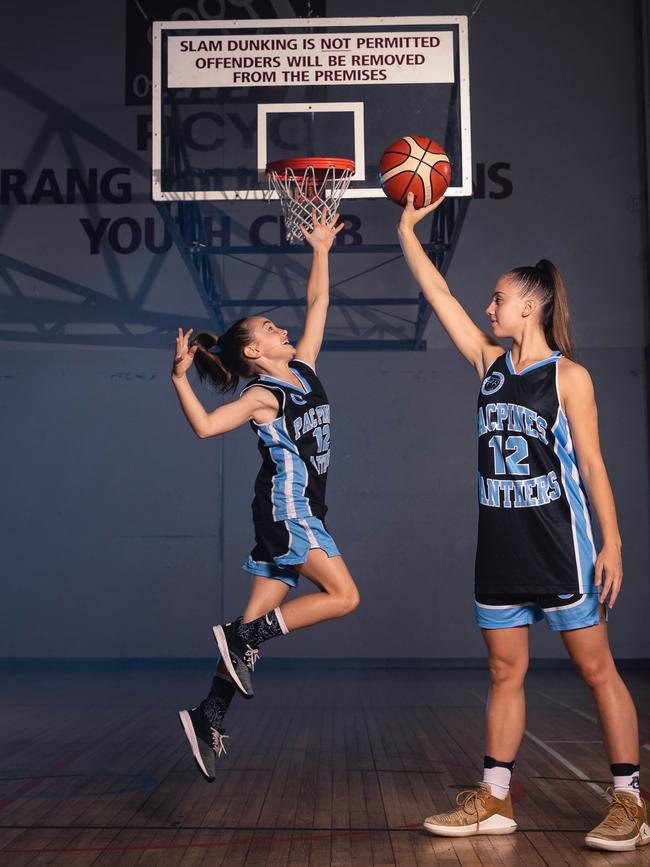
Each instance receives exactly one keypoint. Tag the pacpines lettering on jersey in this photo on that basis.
(518, 493)
(511, 417)
(318, 415)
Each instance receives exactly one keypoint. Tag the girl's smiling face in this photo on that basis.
(269, 341)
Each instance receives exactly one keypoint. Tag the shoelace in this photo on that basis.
(251, 656)
(218, 745)
(472, 797)
(617, 804)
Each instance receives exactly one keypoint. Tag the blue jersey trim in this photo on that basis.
(305, 384)
(583, 541)
(537, 364)
(306, 387)
(290, 479)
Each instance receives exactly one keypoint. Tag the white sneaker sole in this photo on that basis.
(222, 644)
(494, 825)
(641, 839)
(188, 728)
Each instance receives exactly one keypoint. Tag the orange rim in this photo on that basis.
(301, 164)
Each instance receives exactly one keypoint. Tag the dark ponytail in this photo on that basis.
(220, 360)
(543, 280)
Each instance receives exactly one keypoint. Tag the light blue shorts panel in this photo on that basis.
(577, 613)
(281, 546)
(270, 570)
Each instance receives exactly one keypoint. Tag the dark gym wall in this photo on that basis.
(123, 532)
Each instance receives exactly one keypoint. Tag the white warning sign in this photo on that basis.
(345, 58)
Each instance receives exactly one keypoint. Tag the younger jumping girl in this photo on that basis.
(287, 407)
(539, 466)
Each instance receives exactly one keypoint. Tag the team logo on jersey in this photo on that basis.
(492, 383)
(299, 400)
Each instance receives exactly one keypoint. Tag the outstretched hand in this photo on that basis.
(184, 355)
(411, 216)
(323, 232)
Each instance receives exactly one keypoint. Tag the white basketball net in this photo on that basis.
(311, 189)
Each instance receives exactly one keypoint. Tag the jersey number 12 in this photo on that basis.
(513, 462)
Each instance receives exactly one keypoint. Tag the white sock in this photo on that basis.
(283, 625)
(498, 779)
(628, 784)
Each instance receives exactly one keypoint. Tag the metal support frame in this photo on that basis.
(185, 222)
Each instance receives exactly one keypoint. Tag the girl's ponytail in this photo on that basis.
(557, 324)
(220, 360)
(543, 280)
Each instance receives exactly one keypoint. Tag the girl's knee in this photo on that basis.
(597, 672)
(351, 600)
(505, 672)
(346, 601)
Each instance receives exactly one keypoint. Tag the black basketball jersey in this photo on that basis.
(535, 530)
(295, 449)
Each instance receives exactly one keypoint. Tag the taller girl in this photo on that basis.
(288, 409)
(539, 465)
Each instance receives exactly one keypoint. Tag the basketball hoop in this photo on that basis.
(307, 184)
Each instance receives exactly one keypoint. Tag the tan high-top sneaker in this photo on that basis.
(478, 812)
(624, 827)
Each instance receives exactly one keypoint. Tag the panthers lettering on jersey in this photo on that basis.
(535, 530)
(295, 449)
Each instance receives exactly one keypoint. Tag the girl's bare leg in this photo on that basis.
(506, 707)
(590, 652)
(338, 593)
(266, 594)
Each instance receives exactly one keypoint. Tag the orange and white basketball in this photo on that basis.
(414, 164)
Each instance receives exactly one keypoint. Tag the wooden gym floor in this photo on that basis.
(324, 767)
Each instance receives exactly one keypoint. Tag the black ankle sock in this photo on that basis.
(490, 762)
(216, 705)
(269, 625)
(623, 769)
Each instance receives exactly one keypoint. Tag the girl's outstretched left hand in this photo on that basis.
(323, 231)
(184, 355)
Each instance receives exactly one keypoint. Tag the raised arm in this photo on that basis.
(257, 403)
(577, 393)
(479, 348)
(320, 238)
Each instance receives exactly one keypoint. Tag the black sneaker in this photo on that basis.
(239, 657)
(206, 742)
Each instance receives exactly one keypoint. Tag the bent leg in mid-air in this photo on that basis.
(240, 640)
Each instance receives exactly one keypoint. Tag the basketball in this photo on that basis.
(414, 164)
